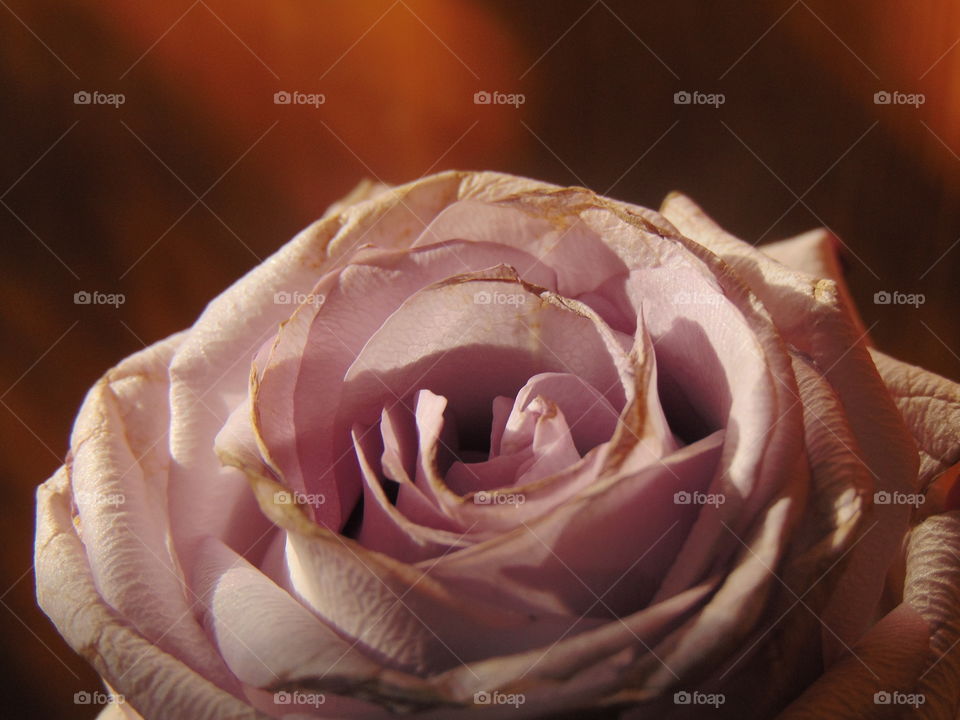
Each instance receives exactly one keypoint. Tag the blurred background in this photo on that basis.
(148, 157)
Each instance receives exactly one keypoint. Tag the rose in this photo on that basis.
(687, 433)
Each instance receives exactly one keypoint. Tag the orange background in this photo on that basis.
(105, 199)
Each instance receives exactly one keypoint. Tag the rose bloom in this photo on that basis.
(480, 446)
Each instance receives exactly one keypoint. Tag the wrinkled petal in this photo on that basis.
(817, 253)
(117, 471)
(314, 350)
(594, 658)
(932, 588)
(402, 615)
(517, 340)
(888, 659)
(930, 405)
(294, 645)
(210, 371)
(578, 255)
(839, 513)
(811, 316)
(156, 684)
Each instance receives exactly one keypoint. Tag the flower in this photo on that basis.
(509, 446)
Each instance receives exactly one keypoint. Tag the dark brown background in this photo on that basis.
(104, 199)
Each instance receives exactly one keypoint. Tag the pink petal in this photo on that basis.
(591, 417)
(930, 405)
(313, 352)
(625, 526)
(552, 445)
(810, 315)
(499, 472)
(210, 371)
(155, 684)
(579, 667)
(398, 429)
(577, 253)
(293, 646)
(117, 474)
(541, 334)
(817, 253)
(838, 513)
(888, 659)
(401, 615)
(932, 588)
(385, 528)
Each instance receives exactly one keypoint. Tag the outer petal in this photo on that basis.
(809, 314)
(117, 474)
(816, 253)
(930, 404)
(562, 242)
(889, 658)
(210, 371)
(932, 588)
(780, 650)
(155, 684)
(293, 645)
